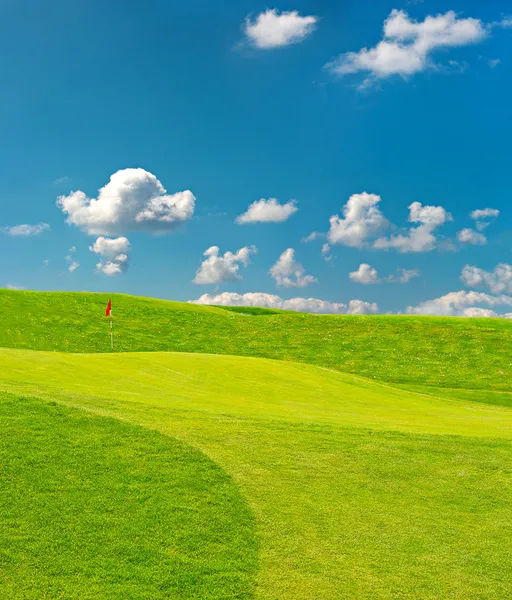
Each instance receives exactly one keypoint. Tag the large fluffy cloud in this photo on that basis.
(114, 254)
(133, 200)
(462, 304)
(217, 268)
(289, 273)
(271, 29)
(420, 238)
(26, 230)
(407, 45)
(313, 305)
(268, 211)
(362, 220)
(497, 281)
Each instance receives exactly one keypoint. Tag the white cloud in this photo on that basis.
(219, 269)
(403, 275)
(313, 305)
(271, 29)
(314, 235)
(46, 262)
(133, 200)
(505, 22)
(365, 274)
(470, 236)
(26, 230)
(289, 273)
(326, 252)
(10, 286)
(116, 266)
(110, 247)
(72, 249)
(407, 45)
(362, 220)
(499, 280)
(461, 303)
(420, 238)
(494, 62)
(483, 217)
(268, 211)
(73, 266)
(114, 253)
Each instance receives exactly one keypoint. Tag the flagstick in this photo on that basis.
(111, 335)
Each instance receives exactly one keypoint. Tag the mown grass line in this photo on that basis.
(95, 508)
(342, 512)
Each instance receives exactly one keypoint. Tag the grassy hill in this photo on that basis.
(410, 350)
(331, 485)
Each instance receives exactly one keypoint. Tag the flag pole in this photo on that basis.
(111, 334)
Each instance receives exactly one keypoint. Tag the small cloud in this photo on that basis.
(268, 211)
(314, 235)
(493, 63)
(365, 274)
(287, 272)
(26, 230)
(470, 236)
(114, 254)
(217, 268)
(483, 217)
(10, 286)
(271, 29)
(361, 220)
(326, 252)
(73, 264)
(61, 180)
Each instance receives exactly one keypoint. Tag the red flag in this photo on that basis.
(108, 312)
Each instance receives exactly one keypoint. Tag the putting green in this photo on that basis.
(359, 490)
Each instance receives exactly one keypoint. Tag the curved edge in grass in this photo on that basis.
(92, 507)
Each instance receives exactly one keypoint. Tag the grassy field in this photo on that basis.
(332, 485)
(451, 353)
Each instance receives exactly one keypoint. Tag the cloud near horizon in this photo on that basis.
(312, 305)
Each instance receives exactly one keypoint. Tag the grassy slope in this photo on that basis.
(95, 508)
(473, 354)
(343, 512)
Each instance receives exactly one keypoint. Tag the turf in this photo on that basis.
(372, 460)
(453, 353)
(92, 507)
(345, 507)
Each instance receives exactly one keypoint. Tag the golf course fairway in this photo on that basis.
(348, 487)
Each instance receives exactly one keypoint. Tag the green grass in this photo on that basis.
(353, 488)
(92, 507)
(444, 352)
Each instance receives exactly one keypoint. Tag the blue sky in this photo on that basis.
(234, 102)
